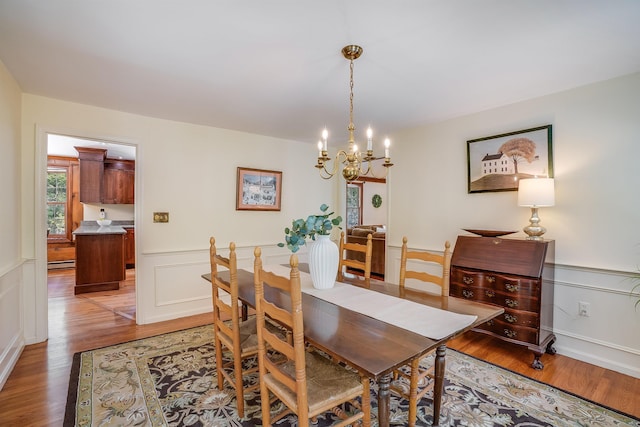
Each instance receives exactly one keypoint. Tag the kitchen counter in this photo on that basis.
(100, 256)
(92, 227)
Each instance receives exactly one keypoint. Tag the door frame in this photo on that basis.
(39, 310)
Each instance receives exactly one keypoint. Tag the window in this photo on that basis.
(354, 204)
(57, 202)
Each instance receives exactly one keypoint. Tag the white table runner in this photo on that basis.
(418, 318)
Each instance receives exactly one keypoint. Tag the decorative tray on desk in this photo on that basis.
(489, 233)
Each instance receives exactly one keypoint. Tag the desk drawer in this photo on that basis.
(508, 330)
(520, 318)
(499, 282)
(492, 296)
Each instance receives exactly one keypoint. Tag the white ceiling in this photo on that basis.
(275, 68)
(61, 145)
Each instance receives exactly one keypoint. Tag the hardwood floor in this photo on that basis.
(35, 393)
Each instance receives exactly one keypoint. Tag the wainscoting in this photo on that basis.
(169, 284)
(11, 333)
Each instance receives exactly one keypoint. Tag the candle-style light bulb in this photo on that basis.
(319, 148)
(325, 135)
(387, 143)
(369, 141)
(355, 148)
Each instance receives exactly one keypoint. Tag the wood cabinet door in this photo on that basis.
(91, 177)
(119, 182)
(130, 247)
(91, 174)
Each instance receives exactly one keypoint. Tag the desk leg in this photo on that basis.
(438, 386)
(384, 397)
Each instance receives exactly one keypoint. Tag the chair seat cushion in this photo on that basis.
(249, 336)
(327, 382)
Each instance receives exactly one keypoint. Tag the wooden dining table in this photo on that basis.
(371, 346)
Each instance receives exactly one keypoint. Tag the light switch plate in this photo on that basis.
(161, 217)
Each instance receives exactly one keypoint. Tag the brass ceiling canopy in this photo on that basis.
(351, 52)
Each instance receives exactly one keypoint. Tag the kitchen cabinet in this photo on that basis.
(91, 173)
(119, 182)
(509, 273)
(130, 247)
(99, 259)
(102, 180)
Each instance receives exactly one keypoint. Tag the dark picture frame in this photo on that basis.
(525, 154)
(258, 190)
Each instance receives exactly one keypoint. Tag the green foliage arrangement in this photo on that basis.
(300, 230)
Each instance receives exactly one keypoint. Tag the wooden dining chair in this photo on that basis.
(233, 336)
(421, 379)
(356, 256)
(307, 383)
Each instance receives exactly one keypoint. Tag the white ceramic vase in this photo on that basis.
(323, 262)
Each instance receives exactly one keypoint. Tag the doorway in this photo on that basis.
(366, 202)
(65, 213)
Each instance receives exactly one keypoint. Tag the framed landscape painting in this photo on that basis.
(498, 162)
(258, 190)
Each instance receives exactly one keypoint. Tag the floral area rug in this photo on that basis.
(170, 380)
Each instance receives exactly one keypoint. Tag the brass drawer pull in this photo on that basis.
(491, 279)
(509, 333)
(511, 287)
(510, 318)
(467, 293)
(467, 280)
(511, 303)
(490, 293)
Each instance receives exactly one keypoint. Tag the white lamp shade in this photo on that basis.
(536, 192)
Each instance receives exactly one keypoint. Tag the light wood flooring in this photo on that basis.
(35, 393)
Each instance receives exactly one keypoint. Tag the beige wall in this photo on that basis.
(370, 214)
(10, 97)
(11, 262)
(596, 150)
(190, 172)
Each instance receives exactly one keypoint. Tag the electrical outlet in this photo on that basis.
(584, 309)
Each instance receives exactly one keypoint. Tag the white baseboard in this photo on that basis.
(9, 358)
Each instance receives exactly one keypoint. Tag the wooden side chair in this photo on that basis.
(420, 379)
(232, 335)
(307, 383)
(362, 261)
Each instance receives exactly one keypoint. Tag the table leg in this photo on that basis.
(438, 386)
(245, 311)
(384, 397)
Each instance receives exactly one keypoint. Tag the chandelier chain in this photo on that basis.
(351, 125)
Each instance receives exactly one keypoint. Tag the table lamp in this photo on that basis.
(535, 193)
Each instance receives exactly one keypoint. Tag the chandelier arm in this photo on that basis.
(322, 166)
(365, 172)
(373, 175)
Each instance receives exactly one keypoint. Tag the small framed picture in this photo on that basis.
(258, 190)
(498, 162)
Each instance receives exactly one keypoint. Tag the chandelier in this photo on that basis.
(352, 159)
